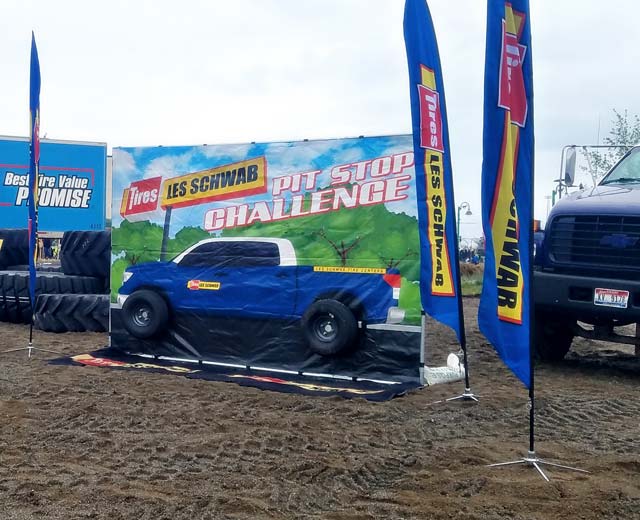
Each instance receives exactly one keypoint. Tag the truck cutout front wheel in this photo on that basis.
(145, 314)
(329, 327)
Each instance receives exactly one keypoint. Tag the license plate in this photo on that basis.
(611, 298)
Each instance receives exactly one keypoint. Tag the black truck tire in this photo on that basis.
(72, 313)
(14, 248)
(15, 305)
(86, 253)
(553, 336)
(329, 327)
(145, 314)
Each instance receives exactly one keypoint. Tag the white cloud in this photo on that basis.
(123, 161)
(170, 165)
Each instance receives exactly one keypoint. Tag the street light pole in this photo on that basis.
(467, 395)
(468, 212)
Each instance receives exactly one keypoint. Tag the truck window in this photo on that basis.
(233, 254)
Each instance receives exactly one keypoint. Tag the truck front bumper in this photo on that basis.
(574, 296)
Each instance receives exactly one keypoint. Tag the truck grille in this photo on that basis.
(595, 241)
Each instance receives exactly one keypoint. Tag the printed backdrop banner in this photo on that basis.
(507, 183)
(434, 183)
(294, 255)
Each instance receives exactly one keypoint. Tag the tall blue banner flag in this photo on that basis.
(507, 184)
(439, 288)
(34, 164)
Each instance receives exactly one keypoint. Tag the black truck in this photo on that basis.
(587, 264)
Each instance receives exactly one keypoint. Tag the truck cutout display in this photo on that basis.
(259, 277)
(296, 256)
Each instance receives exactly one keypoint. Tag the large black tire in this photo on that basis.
(553, 336)
(72, 313)
(145, 314)
(14, 248)
(329, 327)
(15, 305)
(86, 253)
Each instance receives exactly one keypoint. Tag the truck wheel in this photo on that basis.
(553, 337)
(329, 327)
(145, 314)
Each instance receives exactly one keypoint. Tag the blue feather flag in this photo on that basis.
(439, 279)
(507, 185)
(34, 165)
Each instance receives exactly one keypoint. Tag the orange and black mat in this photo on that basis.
(263, 379)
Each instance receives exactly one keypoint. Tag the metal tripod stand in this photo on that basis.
(531, 459)
(29, 348)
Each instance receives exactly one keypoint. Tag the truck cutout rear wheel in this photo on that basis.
(329, 327)
(145, 314)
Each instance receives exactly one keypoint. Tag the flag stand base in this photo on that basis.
(467, 395)
(29, 350)
(534, 461)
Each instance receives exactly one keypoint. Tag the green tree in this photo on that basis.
(624, 133)
(138, 241)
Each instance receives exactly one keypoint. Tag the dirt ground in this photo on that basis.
(84, 442)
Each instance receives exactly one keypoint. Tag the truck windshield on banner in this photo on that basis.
(305, 253)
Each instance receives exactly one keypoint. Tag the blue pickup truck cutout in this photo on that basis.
(251, 277)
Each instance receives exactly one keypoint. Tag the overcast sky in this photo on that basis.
(134, 73)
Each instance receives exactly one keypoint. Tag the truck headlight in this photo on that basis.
(126, 275)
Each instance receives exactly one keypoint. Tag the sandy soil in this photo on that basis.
(84, 442)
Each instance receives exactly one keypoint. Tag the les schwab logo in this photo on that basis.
(199, 285)
(431, 138)
(141, 199)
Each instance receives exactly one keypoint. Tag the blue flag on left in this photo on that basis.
(439, 281)
(34, 165)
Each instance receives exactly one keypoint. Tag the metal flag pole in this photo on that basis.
(531, 458)
(467, 395)
(30, 348)
(34, 162)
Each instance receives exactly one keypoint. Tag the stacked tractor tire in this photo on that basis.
(70, 297)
